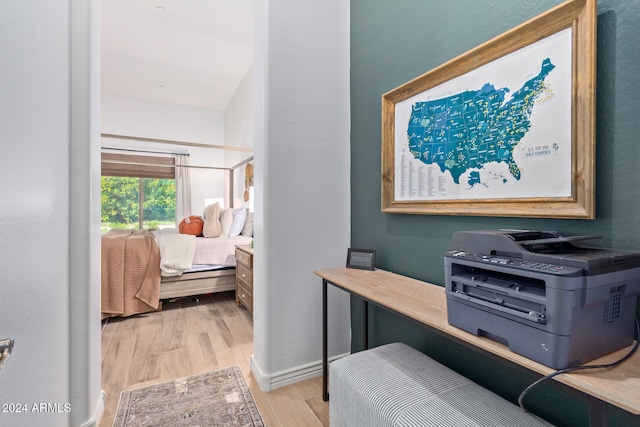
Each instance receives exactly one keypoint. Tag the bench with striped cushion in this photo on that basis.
(395, 385)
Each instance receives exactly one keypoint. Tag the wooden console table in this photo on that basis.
(426, 303)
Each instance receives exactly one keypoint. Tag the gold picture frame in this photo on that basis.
(573, 24)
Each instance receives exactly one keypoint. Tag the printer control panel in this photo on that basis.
(511, 262)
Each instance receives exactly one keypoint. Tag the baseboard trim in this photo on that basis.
(97, 416)
(289, 376)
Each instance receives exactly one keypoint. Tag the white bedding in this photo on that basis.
(218, 250)
(180, 252)
(176, 251)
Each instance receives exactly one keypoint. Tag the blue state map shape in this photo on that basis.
(467, 130)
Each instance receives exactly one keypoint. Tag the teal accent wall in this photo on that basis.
(394, 41)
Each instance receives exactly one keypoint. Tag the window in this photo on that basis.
(137, 191)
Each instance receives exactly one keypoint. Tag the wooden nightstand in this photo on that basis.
(244, 276)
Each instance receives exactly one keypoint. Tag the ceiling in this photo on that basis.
(187, 52)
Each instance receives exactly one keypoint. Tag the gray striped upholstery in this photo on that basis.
(395, 385)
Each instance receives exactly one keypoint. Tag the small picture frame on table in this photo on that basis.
(363, 259)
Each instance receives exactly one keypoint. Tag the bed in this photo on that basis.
(213, 269)
(142, 267)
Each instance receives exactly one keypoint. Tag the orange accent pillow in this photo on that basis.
(191, 225)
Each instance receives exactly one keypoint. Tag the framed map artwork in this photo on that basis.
(506, 129)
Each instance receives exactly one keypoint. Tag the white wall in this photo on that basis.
(147, 119)
(239, 132)
(48, 261)
(87, 399)
(302, 184)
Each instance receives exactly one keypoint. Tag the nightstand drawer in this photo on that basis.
(244, 258)
(244, 295)
(245, 275)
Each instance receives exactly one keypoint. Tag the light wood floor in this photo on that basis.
(188, 337)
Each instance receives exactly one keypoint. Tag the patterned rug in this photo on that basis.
(215, 398)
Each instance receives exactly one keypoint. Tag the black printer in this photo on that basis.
(546, 296)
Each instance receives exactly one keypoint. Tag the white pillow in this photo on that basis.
(239, 218)
(226, 219)
(247, 230)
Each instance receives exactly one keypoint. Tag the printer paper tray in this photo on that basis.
(531, 316)
(489, 293)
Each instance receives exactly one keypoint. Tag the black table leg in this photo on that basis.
(325, 364)
(365, 324)
(597, 412)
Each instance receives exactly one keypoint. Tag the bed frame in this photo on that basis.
(197, 283)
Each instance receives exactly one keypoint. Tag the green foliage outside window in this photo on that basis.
(121, 199)
(159, 200)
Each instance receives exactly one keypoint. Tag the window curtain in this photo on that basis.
(183, 187)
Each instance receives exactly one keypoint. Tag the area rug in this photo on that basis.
(215, 398)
